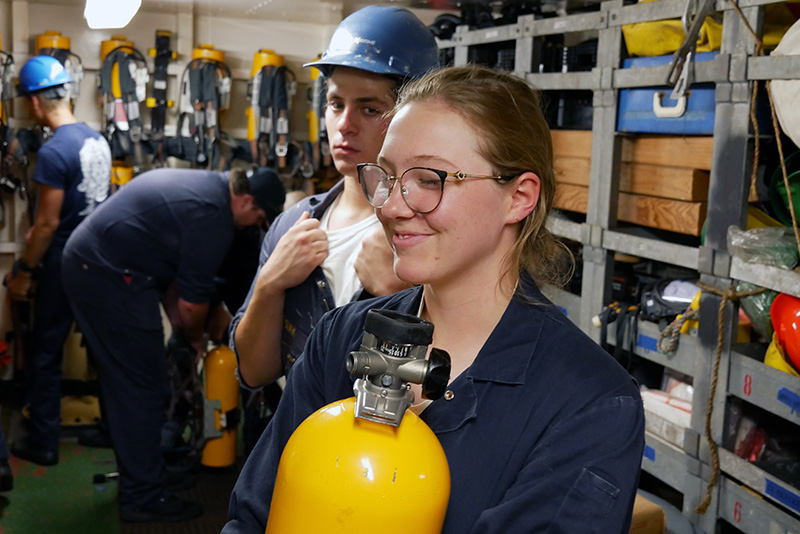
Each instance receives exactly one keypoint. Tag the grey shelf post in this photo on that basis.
(604, 175)
(461, 54)
(732, 154)
(728, 197)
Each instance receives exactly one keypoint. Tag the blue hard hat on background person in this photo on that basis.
(40, 73)
(385, 40)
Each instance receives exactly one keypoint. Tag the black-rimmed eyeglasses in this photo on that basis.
(421, 187)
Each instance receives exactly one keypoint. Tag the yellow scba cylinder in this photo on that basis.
(52, 39)
(207, 51)
(339, 473)
(221, 386)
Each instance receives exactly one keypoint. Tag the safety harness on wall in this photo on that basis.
(158, 103)
(270, 97)
(205, 90)
(123, 79)
(317, 130)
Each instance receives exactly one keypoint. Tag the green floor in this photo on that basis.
(63, 499)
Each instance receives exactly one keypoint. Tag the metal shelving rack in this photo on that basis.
(768, 505)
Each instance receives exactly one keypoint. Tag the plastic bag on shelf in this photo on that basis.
(757, 307)
(677, 385)
(774, 246)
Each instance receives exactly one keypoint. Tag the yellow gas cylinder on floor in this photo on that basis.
(222, 398)
(370, 462)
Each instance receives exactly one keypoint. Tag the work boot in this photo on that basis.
(6, 477)
(95, 437)
(177, 481)
(170, 508)
(27, 451)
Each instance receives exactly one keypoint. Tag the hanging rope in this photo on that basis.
(728, 295)
(668, 339)
(759, 51)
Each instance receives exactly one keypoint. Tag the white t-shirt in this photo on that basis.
(344, 245)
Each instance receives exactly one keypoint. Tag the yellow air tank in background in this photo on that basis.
(222, 394)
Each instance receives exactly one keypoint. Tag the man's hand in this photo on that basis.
(298, 252)
(218, 321)
(18, 286)
(375, 266)
(258, 335)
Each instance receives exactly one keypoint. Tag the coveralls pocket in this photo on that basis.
(587, 503)
(135, 281)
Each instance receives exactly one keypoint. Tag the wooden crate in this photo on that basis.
(666, 214)
(668, 150)
(653, 180)
(663, 179)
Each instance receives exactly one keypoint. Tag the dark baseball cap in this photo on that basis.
(267, 190)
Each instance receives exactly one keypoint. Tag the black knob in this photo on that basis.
(438, 375)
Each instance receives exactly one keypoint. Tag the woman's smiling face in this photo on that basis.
(470, 232)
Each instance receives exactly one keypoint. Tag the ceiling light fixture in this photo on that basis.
(102, 14)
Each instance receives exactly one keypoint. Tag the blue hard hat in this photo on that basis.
(385, 40)
(39, 73)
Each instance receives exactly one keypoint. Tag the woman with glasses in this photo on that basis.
(542, 429)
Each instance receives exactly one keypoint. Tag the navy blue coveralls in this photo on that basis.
(305, 303)
(167, 225)
(76, 160)
(543, 433)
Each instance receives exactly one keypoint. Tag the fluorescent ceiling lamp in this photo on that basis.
(102, 14)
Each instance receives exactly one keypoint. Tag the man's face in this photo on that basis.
(354, 115)
(247, 213)
(34, 107)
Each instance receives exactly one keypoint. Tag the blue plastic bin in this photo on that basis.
(651, 110)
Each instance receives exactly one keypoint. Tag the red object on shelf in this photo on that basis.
(785, 315)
